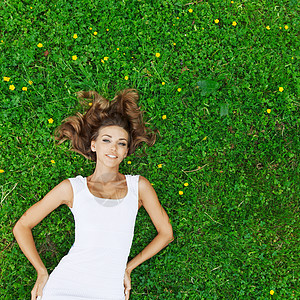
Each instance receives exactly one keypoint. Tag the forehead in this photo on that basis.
(114, 131)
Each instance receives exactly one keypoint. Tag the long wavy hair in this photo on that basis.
(122, 111)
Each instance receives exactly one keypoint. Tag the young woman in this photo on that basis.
(104, 206)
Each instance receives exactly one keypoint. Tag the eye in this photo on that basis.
(105, 140)
(122, 144)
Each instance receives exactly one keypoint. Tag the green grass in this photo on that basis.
(236, 225)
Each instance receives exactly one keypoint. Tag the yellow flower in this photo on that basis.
(204, 138)
(280, 27)
(90, 103)
(102, 61)
(217, 21)
(24, 88)
(75, 36)
(179, 89)
(6, 78)
(105, 58)
(30, 7)
(268, 27)
(1, 171)
(234, 23)
(177, 18)
(280, 89)
(30, 82)
(74, 57)
(190, 10)
(163, 83)
(286, 27)
(52, 161)
(180, 192)
(50, 120)
(90, 28)
(2, 41)
(157, 54)
(126, 77)
(174, 44)
(272, 292)
(164, 117)
(40, 45)
(129, 162)
(232, 2)
(107, 29)
(118, 49)
(159, 166)
(12, 87)
(95, 32)
(268, 110)
(186, 184)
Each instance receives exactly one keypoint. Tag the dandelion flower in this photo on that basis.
(52, 161)
(180, 192)
(286, 27)
(177, 18)
(204, 138)
(280, 89)
(268, 27)
(234, 23)
(126, 77)
(24, 88)
(1, 171)
(268, 110)
(40, 45)
(6, 78)
(75, 36)
(217, 21)
(232, 2)
(90, 28)
(50, 120)
(105, 58)
(118, 49)
(179, 89)
(174, 44)
(159, 166)
(157, 54)
(30, 82)
(90, 103)
(186, 184)
(74, 57)
(95, 32)
(164, 117)
(129, 162)
(12, 87)
(190, 10)
(163, 83)
(107, 29)
(272, 292)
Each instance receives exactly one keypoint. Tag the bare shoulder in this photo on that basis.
(144, 186)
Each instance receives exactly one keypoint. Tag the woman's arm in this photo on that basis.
(61, 194)
(160, 220)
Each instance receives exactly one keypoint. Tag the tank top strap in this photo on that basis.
(133, 182)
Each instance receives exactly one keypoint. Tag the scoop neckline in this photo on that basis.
(85, 178)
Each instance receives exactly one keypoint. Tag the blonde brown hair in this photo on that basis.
(122, 111)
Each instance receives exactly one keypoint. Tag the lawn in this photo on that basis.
(218, 79)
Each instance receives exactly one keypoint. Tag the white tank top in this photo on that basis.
(95, 265)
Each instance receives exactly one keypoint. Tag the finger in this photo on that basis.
(127, 295)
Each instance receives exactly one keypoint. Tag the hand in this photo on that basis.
(127, 284)
(39, 285)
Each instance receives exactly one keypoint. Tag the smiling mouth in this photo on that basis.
(111, 156)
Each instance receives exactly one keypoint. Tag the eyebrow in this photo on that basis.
(111, 137)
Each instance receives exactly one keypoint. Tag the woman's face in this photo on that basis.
(111, 146)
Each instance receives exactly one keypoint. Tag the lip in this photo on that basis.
(111, 157)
